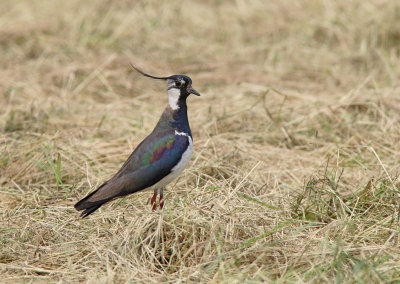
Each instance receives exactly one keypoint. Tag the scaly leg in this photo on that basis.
(153, 201)
(161, 198)
(159, 191)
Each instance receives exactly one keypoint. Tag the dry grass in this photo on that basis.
(295, 172)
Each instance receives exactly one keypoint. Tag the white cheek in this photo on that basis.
(173, 97)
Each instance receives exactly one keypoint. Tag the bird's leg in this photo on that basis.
(153, 200)
(161, 198)
(159, 191)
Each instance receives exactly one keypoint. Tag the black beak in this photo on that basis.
(193, 91)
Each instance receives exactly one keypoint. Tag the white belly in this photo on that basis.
(175, 172)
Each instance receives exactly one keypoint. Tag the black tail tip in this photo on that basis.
(87, 211)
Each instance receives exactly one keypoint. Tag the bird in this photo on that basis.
(158, 159)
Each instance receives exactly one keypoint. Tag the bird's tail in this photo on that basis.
(90, 204)
(89, 211)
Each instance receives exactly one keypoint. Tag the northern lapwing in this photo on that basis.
(159, 158)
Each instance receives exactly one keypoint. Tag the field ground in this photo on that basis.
(294, 178)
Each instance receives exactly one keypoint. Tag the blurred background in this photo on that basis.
(296, 132)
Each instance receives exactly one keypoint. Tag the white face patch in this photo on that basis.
(173, 97)
(174, 92)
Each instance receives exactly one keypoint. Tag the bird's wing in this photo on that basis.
(150, 150)
(151, 161)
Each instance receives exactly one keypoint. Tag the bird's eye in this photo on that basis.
(178, 83)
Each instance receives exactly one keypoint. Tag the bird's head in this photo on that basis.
(179, 87)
